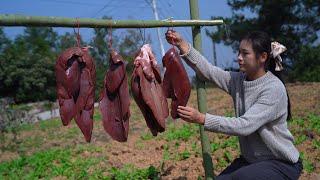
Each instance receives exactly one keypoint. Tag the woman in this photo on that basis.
(261, 104)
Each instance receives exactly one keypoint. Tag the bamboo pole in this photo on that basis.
(18, 20)
(42, 21)
(201, 96)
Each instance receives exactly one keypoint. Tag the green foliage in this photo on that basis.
(10, 122)
(292, 23)
(314, 122)
(307, 65)
(166, 153)
(222, 163)
(307, 165)
(227, 155)
(146, 136)
(297, 121)
(316, 144)
(182, 133)
(28, 66)
(51, 163)
(184, 155)
(66, 41)
(130, 172)
(300, 139)
(231, 142)
(214, 146)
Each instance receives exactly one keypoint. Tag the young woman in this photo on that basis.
(261, 104)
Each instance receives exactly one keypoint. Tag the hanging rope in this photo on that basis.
(78, 32)
(171, 29)
(109, 42)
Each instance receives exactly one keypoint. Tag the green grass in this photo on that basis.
(227, 155)
(312, 121)
(146, 136)
(130, 172)
(229, 113)
(231, 142)
(183, 133)
(316, 144)
(183, 155)
(50, 124)
(222, 163)
(68, 162)
(166, 153)
(139, 144)
(307, 165)
(300, 139)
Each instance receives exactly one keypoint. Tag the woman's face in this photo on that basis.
(247, 59)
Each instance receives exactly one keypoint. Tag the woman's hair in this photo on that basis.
(261, 43)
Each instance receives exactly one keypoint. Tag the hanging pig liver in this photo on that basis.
(176, 84)
(75, 77)
(147, 90)
(115, 99)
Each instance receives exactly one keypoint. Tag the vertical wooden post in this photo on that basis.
(201, 95)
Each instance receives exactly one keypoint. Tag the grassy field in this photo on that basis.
(48, 150)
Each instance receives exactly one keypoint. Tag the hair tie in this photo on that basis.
(276, 50)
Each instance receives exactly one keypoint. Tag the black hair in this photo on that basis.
(261, 42)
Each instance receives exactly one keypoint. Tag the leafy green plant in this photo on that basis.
(146, 136)
(50, 124)
(227, 155)
(229, 113)
(222, 162)
(215, 146)
(184, 155)
(166, 153)
(314, 122)
(296, 121)
(307, 165)
(130, 172)
(316, 144)
(139, 144)
(67, 162)
(300, 139)
(183, 133)
(231, 142)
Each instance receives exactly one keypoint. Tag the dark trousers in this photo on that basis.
(240, 169)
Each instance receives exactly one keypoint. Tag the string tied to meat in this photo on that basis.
(77, 24)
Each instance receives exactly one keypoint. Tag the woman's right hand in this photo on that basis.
(174, 38)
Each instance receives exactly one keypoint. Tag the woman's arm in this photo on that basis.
(200, 64)
(271, 105)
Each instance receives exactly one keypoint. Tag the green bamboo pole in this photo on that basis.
(201, 96)
(18, 20)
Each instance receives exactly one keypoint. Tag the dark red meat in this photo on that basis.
(147, 90)
(176, 84)
(115, 99)
(75, 77)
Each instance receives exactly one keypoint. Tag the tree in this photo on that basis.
(294, 23)
(28, 66)
(307, 68)
(66, 41)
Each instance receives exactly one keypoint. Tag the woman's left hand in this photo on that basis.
(191, 115)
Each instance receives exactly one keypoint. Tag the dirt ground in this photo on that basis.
(144, 152)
